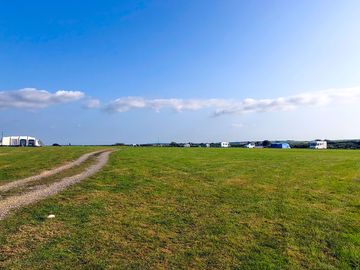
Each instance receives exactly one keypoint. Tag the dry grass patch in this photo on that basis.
(29, 237)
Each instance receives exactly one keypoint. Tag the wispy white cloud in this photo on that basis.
(237, 125)
(229, 106)
(317, 98)
(92, 104)
(129, 103)
(32, 98)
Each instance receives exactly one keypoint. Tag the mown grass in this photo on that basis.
(50, 179)
(197, 208)
(20, 162)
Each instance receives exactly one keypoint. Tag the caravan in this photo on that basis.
(20, 141)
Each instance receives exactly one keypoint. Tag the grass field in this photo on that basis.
(190, 208)
(26, 161)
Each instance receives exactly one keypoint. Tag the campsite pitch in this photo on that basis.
(190, 208)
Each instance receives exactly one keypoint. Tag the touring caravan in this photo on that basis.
(20, 141)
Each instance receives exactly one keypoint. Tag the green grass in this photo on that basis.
(50, 179)
(197, 208)
(20, 162)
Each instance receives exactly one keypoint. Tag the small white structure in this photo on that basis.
(225, 144)
(20, 141)
(318, 144)
(208, 145)
(187, 145)
(250, 145)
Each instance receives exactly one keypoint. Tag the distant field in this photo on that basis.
(16, 162)
(191, 208)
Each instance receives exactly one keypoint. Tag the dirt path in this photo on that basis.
(39, 194)
(20, 182)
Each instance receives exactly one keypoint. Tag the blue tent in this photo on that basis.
(280, 145)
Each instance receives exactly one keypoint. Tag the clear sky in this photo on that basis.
(91, 72)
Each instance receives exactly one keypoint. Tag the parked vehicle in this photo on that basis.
(225, 144)
(318, 144)
(21, 141)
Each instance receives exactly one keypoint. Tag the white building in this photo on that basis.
(20, 141)
(318, 144)
(225, 144)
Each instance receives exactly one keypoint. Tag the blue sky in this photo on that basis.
(143, 71)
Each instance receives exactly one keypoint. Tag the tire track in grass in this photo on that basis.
(21, 182)
(19, 201)
(41, 183)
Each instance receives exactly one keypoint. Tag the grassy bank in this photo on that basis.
(197, 208)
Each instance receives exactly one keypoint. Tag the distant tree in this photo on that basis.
(266, 143)
(174, 144)
(119, 144)
(299, 144)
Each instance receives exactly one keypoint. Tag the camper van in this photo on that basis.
(20, 141)
(318, 144)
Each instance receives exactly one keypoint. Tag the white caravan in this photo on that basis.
(225, 144)
(20, 141)
(318, 144)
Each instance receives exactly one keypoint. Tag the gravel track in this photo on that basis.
(21, 182)
(36, 195)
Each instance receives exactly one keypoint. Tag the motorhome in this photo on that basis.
(318, 144)
(225, 144)
(20, 141)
